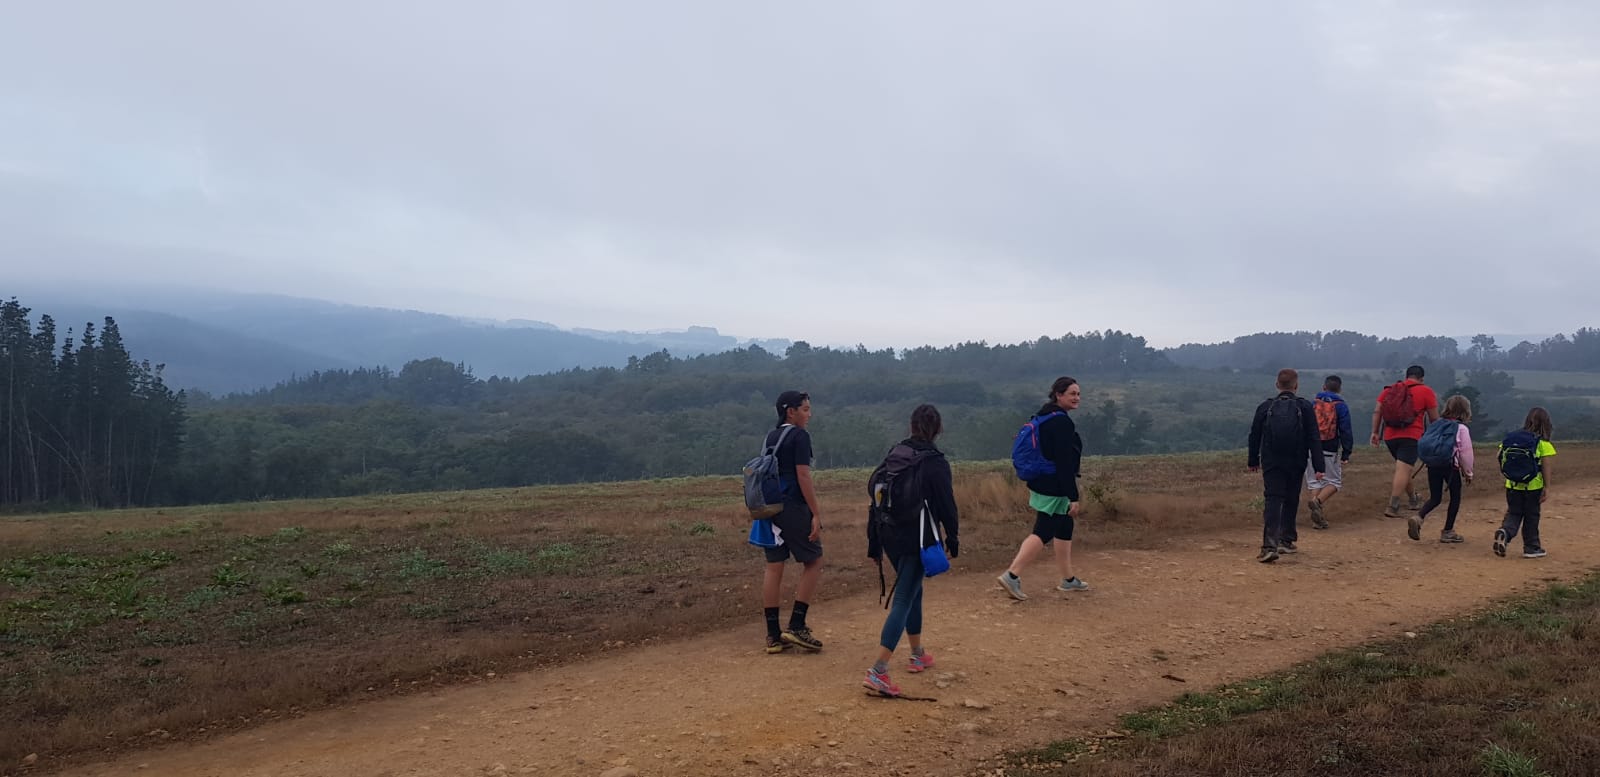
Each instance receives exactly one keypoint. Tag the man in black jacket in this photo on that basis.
(1283, 437)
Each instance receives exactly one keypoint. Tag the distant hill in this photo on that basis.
(196, 355)
(226, 342)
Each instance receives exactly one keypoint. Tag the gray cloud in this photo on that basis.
(1154, 167)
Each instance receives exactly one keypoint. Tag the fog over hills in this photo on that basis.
(223, 342)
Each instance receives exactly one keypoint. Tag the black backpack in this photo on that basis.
(895, 499)
(1283, 432)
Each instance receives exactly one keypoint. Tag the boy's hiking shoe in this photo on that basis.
(1286, 547)
(1072, 584)
(1013, 586)
(920, 663)
(1534, 553)
(880, 683)
(1500, 542)
(1268, 555)
(803, 638)
(776, 645)
(1414, 527)
(1449, 535)
(1318, 520)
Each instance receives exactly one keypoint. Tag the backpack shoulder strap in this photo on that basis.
(773, 448)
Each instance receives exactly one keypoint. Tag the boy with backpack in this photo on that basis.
(797, 528)
(1283, 437)
(1403, 413)
(1525, 461)
(1338, 437)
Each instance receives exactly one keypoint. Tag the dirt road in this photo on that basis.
(1009, 674)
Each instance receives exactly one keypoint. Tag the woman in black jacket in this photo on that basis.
(915, 461)
(1054, 497)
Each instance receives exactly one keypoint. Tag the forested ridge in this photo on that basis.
(86, 424)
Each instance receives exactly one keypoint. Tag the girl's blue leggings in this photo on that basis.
(905, 609)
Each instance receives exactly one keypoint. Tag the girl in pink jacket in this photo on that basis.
(1458, 409)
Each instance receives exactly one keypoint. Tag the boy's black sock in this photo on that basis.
(772, 622)
(797, 619)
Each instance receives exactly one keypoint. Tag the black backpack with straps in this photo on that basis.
(895, 501)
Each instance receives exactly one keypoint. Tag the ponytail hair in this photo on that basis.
(1060, 386)
(926, 423)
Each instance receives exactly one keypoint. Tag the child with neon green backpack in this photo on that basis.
(1525, 461)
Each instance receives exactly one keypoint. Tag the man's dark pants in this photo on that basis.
(1282, 491)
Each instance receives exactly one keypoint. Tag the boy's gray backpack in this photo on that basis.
(763, 490)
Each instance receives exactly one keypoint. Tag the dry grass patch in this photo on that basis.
(1513, 692)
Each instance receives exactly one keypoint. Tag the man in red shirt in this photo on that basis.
(1400, 420)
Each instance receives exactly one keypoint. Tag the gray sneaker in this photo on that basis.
(1414, 527)
(1414, 500)
(1449, 536)
(1073, 584)
(1268, 555)
(1318, 520)
(1013, 586)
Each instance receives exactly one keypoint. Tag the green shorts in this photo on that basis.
(1049, 505)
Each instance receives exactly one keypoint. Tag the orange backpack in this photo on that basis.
(1328, 419)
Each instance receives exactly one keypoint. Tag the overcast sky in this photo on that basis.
(874, 172)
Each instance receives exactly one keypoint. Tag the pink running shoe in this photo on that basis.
(920, 663)
(881, 684)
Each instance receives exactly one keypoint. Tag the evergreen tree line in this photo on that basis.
(1348, 350)
(83, 424)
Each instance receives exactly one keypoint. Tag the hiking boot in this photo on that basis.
(1318, 520)
(1286, 547)
(1414, 527)
(1533, 553)
(920, 663)
(1414, 501)
(1072, 584)
(1393, 510)
(880, 683)
(1268, 555)
(776, 645)
(1013, 586)
(1449, 535)
(1500, 540)
(802, 637)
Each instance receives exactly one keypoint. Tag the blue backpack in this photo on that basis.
(1519, 457)
(1026, 457)
(1437, 448)
(763, 490)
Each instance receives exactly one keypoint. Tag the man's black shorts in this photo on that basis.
(793, 526)
(1403, 449)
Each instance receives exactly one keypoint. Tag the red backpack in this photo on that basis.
(1328, 419)
(1394, 406)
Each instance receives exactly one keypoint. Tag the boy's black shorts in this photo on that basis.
(793, 526)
